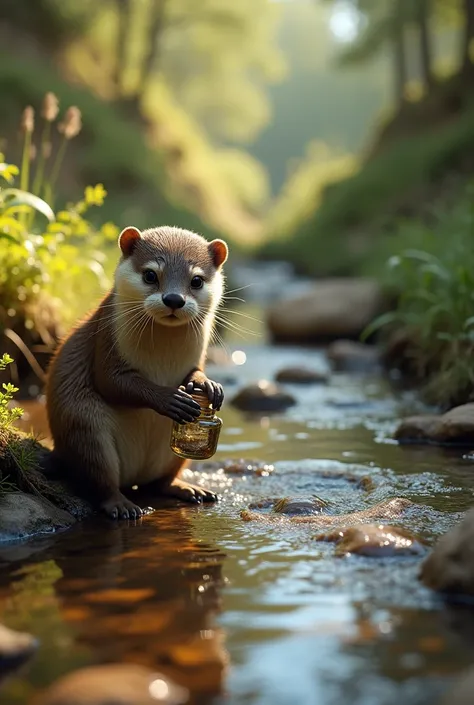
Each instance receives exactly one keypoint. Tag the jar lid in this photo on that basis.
(201, 398)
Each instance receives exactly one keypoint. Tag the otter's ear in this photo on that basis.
(128, 238)
(219, 252)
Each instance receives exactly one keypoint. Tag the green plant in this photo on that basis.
(21, 454)
(8, 415)
(434, 278)
(48, 261)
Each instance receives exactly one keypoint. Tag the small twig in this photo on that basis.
(34, 364)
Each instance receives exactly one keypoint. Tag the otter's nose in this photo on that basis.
(174, 301)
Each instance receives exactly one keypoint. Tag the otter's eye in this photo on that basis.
(197, 283)
(150, 277)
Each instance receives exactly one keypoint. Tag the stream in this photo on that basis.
(252, 613)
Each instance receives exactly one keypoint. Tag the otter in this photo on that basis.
(127, 372)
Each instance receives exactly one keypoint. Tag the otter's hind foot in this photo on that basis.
(119, 507)
(188, 493)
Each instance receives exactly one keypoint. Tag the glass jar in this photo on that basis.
(197, 440)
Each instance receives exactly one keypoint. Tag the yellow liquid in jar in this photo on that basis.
(197, 440)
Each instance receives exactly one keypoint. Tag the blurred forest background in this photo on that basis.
(328, 133)
(238, 116)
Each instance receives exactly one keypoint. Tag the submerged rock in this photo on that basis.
(387, 510)
(332, 309)
(297, 506)
(263, 397)
(450, 566)
(364, 483)
(23, 515)
(374, 540)
(351, 356)
(247, 467)
(15, 648)
(121, 684)
(292, 506)
(241, 466)
(300, 375)
(417, 429)
(456, 427)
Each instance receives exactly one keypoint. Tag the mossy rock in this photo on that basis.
(24, 483)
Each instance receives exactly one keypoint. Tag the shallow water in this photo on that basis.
(255, 613)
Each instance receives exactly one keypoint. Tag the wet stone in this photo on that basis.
(456, 427)
(263, 397)
(330, 310)
(450, 566)
(246, 467)
(23, 515)
(351, 356)
(242, 466)
(300, 375)
(121, 684)
(292, 506)
(364, 483)
(417, 429)
(388, 510)
(265, 503)
(373, 540)
(297, 506)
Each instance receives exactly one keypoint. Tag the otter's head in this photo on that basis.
(176, 274)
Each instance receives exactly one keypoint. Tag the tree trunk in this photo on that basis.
(399, 55)
(423, 16)
(466, 61)
(124, 13)
(156, 27)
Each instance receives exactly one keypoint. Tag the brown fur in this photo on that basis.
(112, 377)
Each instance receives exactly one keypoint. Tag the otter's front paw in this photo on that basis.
(188, 493)
(119, 507)
(214, 390)
(178, 406)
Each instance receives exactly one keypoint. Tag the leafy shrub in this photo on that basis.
(51, 264)
(432, 269)
(7, 415)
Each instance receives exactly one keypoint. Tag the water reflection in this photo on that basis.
(106, 592)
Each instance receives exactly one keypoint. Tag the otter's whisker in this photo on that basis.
(240, 288)
(239, 313)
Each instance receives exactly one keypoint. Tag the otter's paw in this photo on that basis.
(119, 507)
(189, 493)
(214, 390)
(178, 405)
